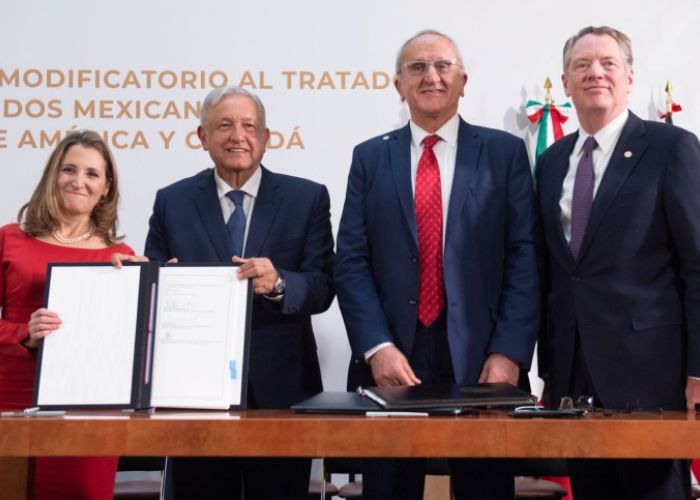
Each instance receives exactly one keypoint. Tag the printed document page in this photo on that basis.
(89, 360)
(199, 337)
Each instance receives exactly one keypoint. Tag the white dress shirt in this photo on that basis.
(250, 188)
(446, 154)
(606, 138)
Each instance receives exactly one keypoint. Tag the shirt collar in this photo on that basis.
(250, 188)
(448, 132)
(607, 136)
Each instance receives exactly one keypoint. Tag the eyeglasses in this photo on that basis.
(420, 68)
(567, 409)
(584, 403)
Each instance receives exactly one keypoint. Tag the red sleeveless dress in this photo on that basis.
(23, 261)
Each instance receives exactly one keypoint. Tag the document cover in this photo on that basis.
(426, 396)
(145, 336)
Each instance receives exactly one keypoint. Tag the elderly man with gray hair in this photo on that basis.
(277, 227)
(436, 269)
(620, 212)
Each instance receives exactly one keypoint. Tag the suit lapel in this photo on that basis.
(209, 208)
(267, 204)
(466, 163)
(626, 155)
(400, 157)
(555, 175)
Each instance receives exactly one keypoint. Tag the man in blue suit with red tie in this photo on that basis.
(278, 229)
(620, 209)
(436, 268)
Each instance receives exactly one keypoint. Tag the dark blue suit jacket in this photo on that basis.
(291, 226)
(489, 255)
(634, 294)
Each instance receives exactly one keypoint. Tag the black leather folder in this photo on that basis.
(426, 396)
(344, 403)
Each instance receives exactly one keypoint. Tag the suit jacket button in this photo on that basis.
(572, 324)
(414, 259)
(576, 278)
(412, 301)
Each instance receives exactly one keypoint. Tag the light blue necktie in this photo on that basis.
(236, 223)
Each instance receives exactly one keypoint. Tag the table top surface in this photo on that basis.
(284, 433)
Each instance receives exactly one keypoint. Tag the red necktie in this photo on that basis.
(431, 298)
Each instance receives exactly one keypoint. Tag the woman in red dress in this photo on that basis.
(71, 217)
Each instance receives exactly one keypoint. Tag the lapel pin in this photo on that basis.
(385, 138)
(628, 154)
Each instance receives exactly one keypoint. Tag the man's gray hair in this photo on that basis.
(399, 56)
(623, 41)
(215, 96)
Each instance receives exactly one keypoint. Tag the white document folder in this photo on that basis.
(145, 336)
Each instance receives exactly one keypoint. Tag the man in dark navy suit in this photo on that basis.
(620, 211)
(436, 269)
(278, 229)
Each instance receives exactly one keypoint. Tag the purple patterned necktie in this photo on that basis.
(582, 200)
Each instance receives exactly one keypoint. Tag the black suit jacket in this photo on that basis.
(291, 226)
(634, 293)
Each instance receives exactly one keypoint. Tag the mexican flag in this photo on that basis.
(550, 118)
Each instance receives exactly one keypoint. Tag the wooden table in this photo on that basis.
(262, 433)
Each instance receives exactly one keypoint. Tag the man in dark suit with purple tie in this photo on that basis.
(620, 212)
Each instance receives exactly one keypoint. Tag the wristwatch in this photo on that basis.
(278, 287)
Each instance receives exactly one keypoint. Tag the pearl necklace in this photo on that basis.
(69, 241)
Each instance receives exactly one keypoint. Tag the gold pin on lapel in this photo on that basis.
(628, 154)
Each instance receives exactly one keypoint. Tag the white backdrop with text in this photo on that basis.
(136, 72)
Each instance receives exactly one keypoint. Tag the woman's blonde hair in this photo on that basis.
(43, 213)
